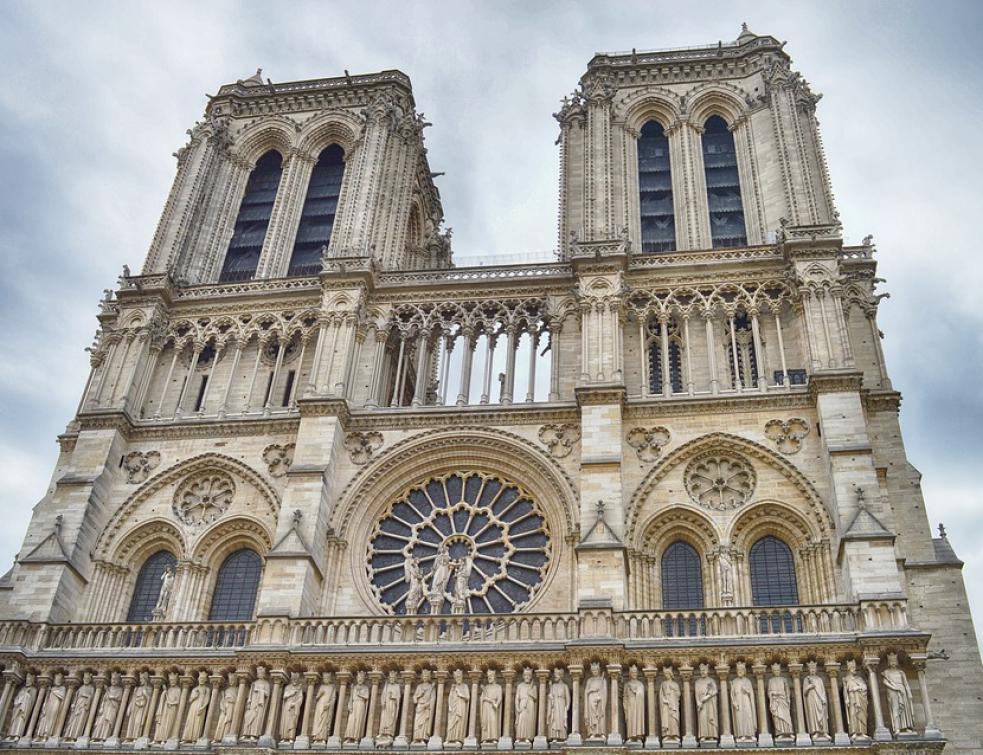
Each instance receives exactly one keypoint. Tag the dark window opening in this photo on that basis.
(772, 573)
(682, 577)
(723, 185)
(147, 588)
(234, 598)
(318, 215)
(201, 393)
(795, 377)
(269, 389)
(655, 190)
(288, 388)
(747, 358)
(253, 220)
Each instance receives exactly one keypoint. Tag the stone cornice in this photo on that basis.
(601, 393)
(835, 381)
(453, 416)
(882, 401)
(655, 408)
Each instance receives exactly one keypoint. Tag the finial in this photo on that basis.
(860, 497)
(259, 71)
(942, 533)
(744, 26)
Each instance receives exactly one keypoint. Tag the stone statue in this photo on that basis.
(742, 705)
(558, 705)
(164, 598)
(358, 708)
(458, 701)
(102, 729)
(779, 701)
(424, 697)
(226, 710)
(595, 703)
(259, 697)
(138, 710)
(81, 705)
(669, 695)
(462, 573)
(293, 699)
(167, 710)
(324, 702)
(726, 575)
(706, 691)
(899, 703)
(441, 574)
(194, 723)
(634, 704)
(815, 702)
(414, 578)
(23, 705)
(526, 700)
(48, 720)
(491, 709)
(855, 697)
(392, 693)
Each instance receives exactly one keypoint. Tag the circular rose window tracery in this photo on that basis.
(720, 480)
(465, 543)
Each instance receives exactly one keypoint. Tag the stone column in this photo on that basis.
(764, 736)
(368, 741)
(664, 355)
(113, 742)
(174, 736)
(43, 682)
(445, 366)
(242, 676)
(505, 741)
(881, 732)
(423, 351)
(280, 349)
(381, 338)
(437, 738)
(402, 741)
(539, 741)
(334, 741)
(533, 348)
(11, 678)
(158, 412)
(801, 735)
(471, 742)
(711, 353)
(467, 359)
(508, 390)
(690, 386)
(192, 365)
(689, 723)
(555, 329)
(931, 730)
(840, 737)
(273, 714)
(303, 742)
(652, 736)
(100, 686)
(489, 359)
(614, 726)
(723, 697)
(72, 682)
(236, 355)
(215, 682)
(761, 373)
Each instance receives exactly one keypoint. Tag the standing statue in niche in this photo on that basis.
(726, 567)
(595, 703)
(226, 709)
(417, 586)
(324, 703)
(102, 729)
(424, 698)
(259, 698)
(855, 696)
(669, 695)
(634, 705)
(23, 705)
(706, 691)
(164, 598)
(816, 704)
(462, 573)
(491, 709)
(441, 576)
(358, 709)
(526, 698)
(742, 705)
(167, 710)
(899, 703)
(194, 724)
(48, 721)
(388, 720)
(458, 702)
(779, 701)
(558, 705)
(139, 708)
(81, 705)
(293, 699)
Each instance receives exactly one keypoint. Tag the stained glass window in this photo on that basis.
(682, 577)
(317, 217)
(147, 588)
(772, 573)
(234, 597)
(655, 190)
(254, 218)
(723, 185)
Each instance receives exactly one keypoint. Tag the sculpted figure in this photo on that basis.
(491, 709)
(358, 708)
(742, 705)
(816, 705)
(855, 696)
(595, 703)
(779, 700)
(458, 700)
(706, 691)
(259, 697)
(424, 697)
(669, 695)
(23, 705)
(414, 578)
(81, 704)
(634, 704)
(48, 720)
(102, 729)
(138, 711)
(899, 702)
(389, 719)
(226, 710)
(170, 699)
(441, 573)
(164, 598)
(194, 723)
(324, 703)
(557, 707)
(526, 699)
(293, 699)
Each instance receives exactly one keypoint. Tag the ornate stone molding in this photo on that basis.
(203, 497)
(648, 442)
(720, 480)
(139, 465)
(361, 446)
(560, 439)
(278, 458)
(787, 435)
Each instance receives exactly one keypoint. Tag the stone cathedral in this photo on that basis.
(327, 490)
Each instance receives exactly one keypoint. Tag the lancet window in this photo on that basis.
(682, 577)
(655, 190)
(318, 215)
(234, 597)
(772, 573)
(253, 220)
(724, 201)
(741, 356)
(148, 584)
(673, 357)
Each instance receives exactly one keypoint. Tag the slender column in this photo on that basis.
(445, 368)
(354, 357)
(840, 736)
(43, 683)
(312, 378)
(489, 358)
(931, 729)
(128, 344)
(273, 714)
(690, 388)
(71, 684)
(334, 741)
(508, 390)
(208, 380)
(437, 738)
(652, 733)
(381, 338)
(292, 398)
(540, 742)
(402, 741)
(689, 724)
(423, 351)
(762, 374)
(467, 359)
(215, 682)
(614, 737)
(167, 380)
(152, 356)
(83, 742)
(711, 353)
(174, 735)
(726, 735)
(555, 329)
(643, 354)
(368, 741)
(764, 736)
(471, 743)
(303, 742)
(875, 337)
(280, 349)
(232, 376)
(600, 328)
(108, 365)
(664, 354)
(240, 708)
(831, 359)
(10, 680)
(839, 317)
(247, 404)
(585, 314)
(396, 398)
(801, 735)
(533, 347)
(195, 353)
(734, 354)
(505, 742)
(575, 737)
(881, 732)
(350, 324)
(128, 682)
(618, 337)
(781, 348)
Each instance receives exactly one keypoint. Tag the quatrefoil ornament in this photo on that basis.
(648, 442)
(787, 435)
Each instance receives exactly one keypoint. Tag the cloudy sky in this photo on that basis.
(96, 97)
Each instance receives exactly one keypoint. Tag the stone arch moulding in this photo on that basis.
(429, 454)
(681, 522)
(649, 104)
(224, 537)
(715, 98)
(137, 545)
(771, 517)
(276, 132)
(321, 131)
(115, 527)
(734, 443)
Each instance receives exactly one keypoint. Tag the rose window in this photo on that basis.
(720, 481)
(204, 498)
(466, 543)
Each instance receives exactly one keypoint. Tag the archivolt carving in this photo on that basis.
(698, 299)
(147, 539)
(560, 439)
(715, 98)
(772, 518)
(139, 465)
(278, 458)
(648, 104)
(675, 523)
(230, 535)
(720, 480)
(787, 435)
(204, 497)
(361, 446)
(648, 442)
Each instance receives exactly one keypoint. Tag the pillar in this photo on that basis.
(689, 723)
(840, 736)
(471, 742)
(334, 741)
(273, 713)
(368, 741)
(764, 736)
(931, 730)
(726, 735)
(505, 741)
(614, 736)
(467, 359)
(540, 741)
(436, 739)
(651, 703)
(801, 735)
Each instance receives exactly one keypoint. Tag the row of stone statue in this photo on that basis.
(459, 709)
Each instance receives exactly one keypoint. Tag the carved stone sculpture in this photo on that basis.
(167, 709)
(424, 698)
(358, 708)
(102, 728)
(139, 465)
(204, 497)
(259, 698)
(558, 705)
(491, 709)
(742, 705)
(48, 720)
(560, 439)
(899, 703)
(324, 705)
(816, 704)
(648, 442)
(23, 705)
(669, 695)
(226, 710)
(720, 480)
(458, 702)
(194, 723)
(787, 436)
(164, 597)
(779, 702)
(293, 699)
(139, 708)
(389, 719)
(278, 458)
(706, 691)
(595, 703)
(634, 704)
(441, 575)
(526, 698)
(856, 700)
(417, 585)
(81, 705)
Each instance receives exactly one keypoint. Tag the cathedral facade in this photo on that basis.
(327, 490)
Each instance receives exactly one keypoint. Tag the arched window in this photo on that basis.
(723, 185)
(772, 573)
(655, 357)
(147, 589)
(655, 190)
(253, 219)
(745, 364)
(317, 217)
(235, 587)
(682, 577)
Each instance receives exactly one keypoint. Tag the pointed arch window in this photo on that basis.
(655, 190)
(723, 185)
(675, 350)
(744, 365)
(772, 573)
(234, 598)
(682, 577)
(318, 215)
(253, 219)
(147, 588)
